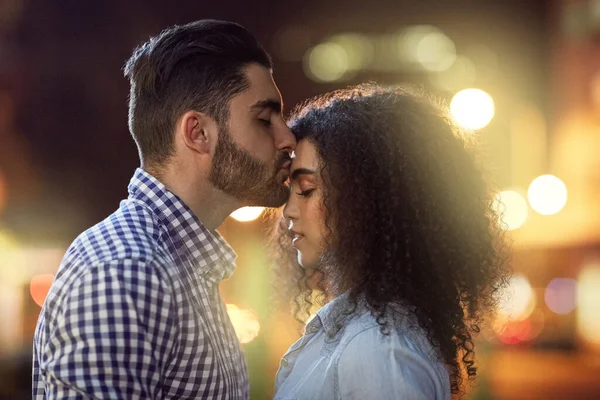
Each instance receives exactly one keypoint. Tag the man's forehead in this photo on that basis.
(262, 86)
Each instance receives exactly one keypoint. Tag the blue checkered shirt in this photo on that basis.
(135, 312)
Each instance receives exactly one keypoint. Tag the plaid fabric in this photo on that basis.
(135, 312)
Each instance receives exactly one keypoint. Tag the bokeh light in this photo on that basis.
(517, 331)
(358, 48)
(436, 52)
(327, 62)
(588, 301)
(39, 287)
(472, 108)
(547, 194)
(561, 295)
(245, 322)
(246, 214)
(513, 332)
(512, 209)
(518, 299)
(426, 46)
(462, 73)
(7, 241)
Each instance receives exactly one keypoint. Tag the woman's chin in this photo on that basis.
(307, 262)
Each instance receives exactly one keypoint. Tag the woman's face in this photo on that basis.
(305, 208)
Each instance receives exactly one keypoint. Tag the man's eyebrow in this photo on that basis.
(301, 171)
(274, 105)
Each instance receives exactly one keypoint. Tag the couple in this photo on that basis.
(384, 204)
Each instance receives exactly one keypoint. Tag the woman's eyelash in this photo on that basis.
(305, 192)
(266, 122)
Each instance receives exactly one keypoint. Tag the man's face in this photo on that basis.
(252, 156)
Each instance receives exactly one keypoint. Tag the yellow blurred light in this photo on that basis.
(245, 323)
(518, 300)
(326, 62)
(588, 300)
(410, 38)
(426, 46)
(7, 241)
(472, 108)
(547, 194)
(436, 52)
(246, 214)
(512, 209)
(26, 262)
(39, 287)
(462, 73)
(528, 142)
(358, 48)
(11, 313)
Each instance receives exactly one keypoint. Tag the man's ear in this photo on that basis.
(199, 132)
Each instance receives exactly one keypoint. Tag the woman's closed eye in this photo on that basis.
(305, 193)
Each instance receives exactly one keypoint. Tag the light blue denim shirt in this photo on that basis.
(359, 362)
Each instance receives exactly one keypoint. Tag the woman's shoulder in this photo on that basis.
(367, 353)
(402, 333)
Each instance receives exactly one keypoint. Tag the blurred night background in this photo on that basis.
(66, 156)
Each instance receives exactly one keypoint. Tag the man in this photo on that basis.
(134, 311)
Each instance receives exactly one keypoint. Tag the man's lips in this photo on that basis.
(286, 164)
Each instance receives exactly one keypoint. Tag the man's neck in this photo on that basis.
(209, 204)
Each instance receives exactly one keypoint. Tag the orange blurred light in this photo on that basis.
(515, 332)
(538, 321)
(39, 287)
(511, 331)
(245, 322)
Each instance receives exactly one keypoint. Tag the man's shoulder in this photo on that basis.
(130, 233)
(126, 247)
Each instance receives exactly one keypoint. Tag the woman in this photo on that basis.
(390, 218)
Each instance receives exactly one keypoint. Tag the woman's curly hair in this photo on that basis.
(410, 217)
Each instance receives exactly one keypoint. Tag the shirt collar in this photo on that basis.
(333, 315)
(206, 251)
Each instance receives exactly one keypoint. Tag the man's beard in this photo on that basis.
(239, 174)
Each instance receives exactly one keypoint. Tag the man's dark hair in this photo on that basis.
(198, 66)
